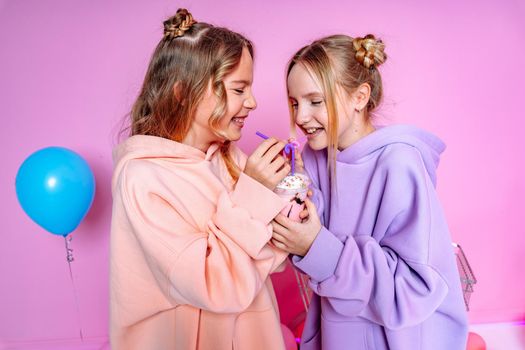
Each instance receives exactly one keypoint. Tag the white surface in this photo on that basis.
(502, 336)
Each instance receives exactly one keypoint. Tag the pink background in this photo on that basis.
(69, 71)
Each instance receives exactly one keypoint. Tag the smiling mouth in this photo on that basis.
(239, 121)
(312, 132)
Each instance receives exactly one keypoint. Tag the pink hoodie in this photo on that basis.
(189, 255)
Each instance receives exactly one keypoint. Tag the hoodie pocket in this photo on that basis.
(340, 335)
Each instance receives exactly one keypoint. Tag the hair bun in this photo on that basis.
(177, 25)
(369, 51)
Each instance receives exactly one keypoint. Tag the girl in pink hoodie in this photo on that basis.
(190, 259)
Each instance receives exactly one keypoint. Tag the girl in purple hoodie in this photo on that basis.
(375, 245)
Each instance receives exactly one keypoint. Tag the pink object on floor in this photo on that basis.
(475, 342)
(289, 338)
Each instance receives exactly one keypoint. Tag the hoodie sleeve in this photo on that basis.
(390, 281)
(220, 267)
(331, 245)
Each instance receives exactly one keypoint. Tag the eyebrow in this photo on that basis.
(311, 95)
(245, 82)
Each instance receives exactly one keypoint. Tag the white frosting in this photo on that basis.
(294, 182)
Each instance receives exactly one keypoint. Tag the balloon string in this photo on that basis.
(306, 290)
(302, 291)
(70, 258)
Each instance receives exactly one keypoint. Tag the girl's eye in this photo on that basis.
(316, 103)
(239, 91)
(294, 105)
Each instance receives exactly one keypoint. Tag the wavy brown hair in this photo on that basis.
(187, 58)
(340, 60)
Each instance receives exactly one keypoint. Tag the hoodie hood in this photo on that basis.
(151, 147)
(429, 145)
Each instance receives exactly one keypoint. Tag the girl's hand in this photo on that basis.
(296, 237)
(304, 213)
(266, 164)
(299, 165)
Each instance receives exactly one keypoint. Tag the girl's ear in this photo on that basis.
(361, 96)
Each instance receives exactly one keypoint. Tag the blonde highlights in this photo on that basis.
(342, 63)
(189, 56)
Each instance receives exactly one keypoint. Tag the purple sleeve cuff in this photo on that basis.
(321, 260)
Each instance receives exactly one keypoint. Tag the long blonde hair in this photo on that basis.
(189, 56)
(340, 60)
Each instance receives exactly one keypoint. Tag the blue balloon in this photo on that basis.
(56, 187)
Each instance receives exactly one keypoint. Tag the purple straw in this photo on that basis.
(260, 134)
(290, 149)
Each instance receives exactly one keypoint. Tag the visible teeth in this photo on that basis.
(311, 130)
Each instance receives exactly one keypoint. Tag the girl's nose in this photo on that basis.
(250, 102)
(301, 116)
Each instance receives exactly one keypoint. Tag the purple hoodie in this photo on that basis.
(382, 268)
